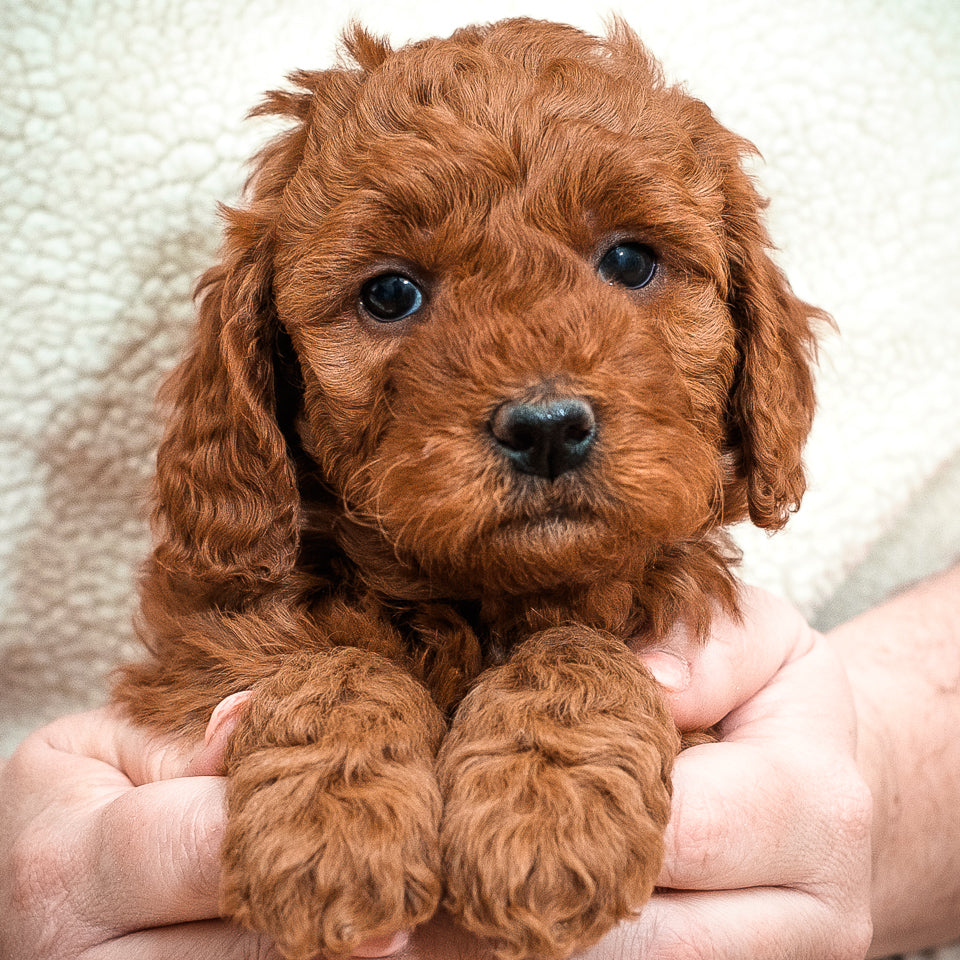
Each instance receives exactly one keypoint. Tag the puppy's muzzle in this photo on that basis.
(544, 438)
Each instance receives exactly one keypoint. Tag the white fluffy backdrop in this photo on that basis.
(121, 126)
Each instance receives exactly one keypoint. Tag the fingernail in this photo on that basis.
(208, 759)
(225, 711)
(668, 669)
(383, 946)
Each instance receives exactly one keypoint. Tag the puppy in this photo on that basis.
(494, 352)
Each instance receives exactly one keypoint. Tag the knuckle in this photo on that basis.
(853, 938)
(690, 841)
(855, 806)
(837, 864)
(835, 795)
(38, 869)
(849, 807)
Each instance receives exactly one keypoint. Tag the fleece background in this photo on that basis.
(121, 126)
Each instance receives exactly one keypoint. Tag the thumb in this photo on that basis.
(208, 760)
(131, 754)
(703, 681)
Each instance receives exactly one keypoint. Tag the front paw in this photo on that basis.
(555, 806)
(319, 860)
(333, 807)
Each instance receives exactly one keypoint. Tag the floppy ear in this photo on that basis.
(228, 513)
(227, 508)
(772, 402)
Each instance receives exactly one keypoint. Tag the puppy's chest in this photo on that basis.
(452, 643)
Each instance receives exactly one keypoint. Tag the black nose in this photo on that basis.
(545, 438)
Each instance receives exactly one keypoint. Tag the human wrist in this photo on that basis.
(903, 662)
(875, 752)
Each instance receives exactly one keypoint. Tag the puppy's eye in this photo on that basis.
(390, 296)
(632, 265)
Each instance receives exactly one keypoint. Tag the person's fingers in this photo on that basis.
(785, 766)
(809, 696)
(708, 783)
(130, 753)
(809, 819)
(150, 856)
(762, 924)
(213, 940)
(208, 761)
(125, 857)
(142, 826)
(704, 680)
(204, 940)
(108, 856)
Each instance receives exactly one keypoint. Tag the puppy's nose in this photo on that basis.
(544, 438)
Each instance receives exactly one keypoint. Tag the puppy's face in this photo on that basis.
(505, 265)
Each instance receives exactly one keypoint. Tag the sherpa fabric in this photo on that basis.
(122, 125)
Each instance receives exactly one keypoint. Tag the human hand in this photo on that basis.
(109, 845)
(767, 850)
(108, 851)
(768, 846)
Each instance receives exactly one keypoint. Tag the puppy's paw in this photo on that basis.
(329, 863)
(333, 806)
(555, 806)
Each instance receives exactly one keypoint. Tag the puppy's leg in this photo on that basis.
(333, 805)
(555, 776)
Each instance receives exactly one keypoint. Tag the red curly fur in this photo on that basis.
(444, 706)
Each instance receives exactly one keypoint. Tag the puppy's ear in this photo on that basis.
(227, 509)
(772, 402)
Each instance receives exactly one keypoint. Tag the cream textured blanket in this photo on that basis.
(122, 126)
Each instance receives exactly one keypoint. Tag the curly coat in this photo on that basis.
(438, 632)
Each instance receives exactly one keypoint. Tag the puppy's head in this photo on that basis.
(539, 335)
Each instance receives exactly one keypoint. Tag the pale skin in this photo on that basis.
(903, 660)
(109, 838)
